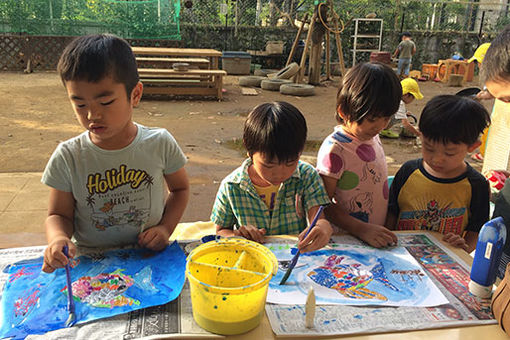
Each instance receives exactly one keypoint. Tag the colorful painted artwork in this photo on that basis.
(103, 285)
(354, 275)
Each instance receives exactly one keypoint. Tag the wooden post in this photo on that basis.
(299, 76)
(314, 63)
(328, 56)
(296, 41)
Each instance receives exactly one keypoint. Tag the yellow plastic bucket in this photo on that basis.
(228, 283)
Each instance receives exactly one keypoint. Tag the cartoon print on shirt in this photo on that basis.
(368, 171)
(361, 206)
(431, 219)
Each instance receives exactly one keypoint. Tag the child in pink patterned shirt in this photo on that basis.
(351, 160)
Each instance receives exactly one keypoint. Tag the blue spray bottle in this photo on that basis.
(488, 252)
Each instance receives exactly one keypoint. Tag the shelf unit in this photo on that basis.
(358, 23)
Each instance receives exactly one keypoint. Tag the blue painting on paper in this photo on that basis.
(354, 275)
(103, 285)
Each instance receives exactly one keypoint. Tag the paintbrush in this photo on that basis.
(70, 301)
(294, 260)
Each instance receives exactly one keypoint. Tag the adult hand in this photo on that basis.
(317, 238)
(456, 241)
(155, 238)
(54, 257)
(377, 236)
(251, 233)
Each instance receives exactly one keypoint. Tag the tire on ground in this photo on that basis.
(251, 81)
(297, 89)
(274, 84)
(263, 72)
(288, 72)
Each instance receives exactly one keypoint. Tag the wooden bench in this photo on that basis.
(202, 63)
(191, 82)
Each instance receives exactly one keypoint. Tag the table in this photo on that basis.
(212, 54)
(264, 331)
(205, 81)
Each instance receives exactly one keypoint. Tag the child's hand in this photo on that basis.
(251, 233)
(319, 236)
(54, 257)
(456, 241)
(377, 236)
(155, 238)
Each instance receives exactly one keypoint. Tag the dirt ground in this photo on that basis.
(35, 115)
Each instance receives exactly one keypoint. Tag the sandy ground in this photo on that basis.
(35, 115)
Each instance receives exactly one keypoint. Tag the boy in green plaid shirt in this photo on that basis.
(273, 192)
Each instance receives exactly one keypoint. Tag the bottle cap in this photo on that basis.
(476, 289)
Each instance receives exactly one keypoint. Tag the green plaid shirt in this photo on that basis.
(237, 202)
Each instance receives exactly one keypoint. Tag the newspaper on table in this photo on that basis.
(448, 272)
(173, 319)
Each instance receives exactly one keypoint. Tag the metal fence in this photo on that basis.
(481, 16)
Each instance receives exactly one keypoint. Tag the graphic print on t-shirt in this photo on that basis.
(433, 217)
(119, 198)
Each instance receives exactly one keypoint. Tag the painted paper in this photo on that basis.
(354, 275)
(103, 285)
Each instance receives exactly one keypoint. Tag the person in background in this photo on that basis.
(405, 51)
(410, 91)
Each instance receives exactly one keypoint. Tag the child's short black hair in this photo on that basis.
(91, 58)
(405, 34)
(496, 63)
(453, 119)
(368, 90)
(277, 130)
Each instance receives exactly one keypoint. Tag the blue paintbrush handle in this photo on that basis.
(314, 221)
(294, 260)
(70, 300)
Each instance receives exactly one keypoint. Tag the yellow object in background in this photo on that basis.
(479, 54)
(229, 279)
(410, 85)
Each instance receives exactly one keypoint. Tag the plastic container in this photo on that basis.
(228, 279)
(489, 247)
(236, 62)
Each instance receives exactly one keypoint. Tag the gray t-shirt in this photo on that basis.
(406, 48)
(118, 193)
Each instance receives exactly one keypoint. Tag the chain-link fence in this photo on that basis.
(482, 16)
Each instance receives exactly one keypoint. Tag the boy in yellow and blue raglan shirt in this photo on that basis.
(108, 186)
(441, 192)
(273, 192)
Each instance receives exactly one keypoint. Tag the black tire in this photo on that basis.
(274, 84)
(300, 90)
(253, 81)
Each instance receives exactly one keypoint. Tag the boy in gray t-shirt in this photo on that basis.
(108, 186)
(405, 51)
